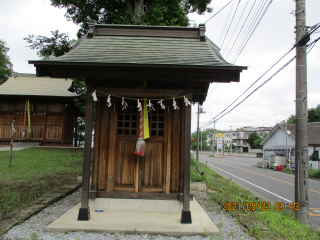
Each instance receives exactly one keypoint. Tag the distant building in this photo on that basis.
(281, 140)
(240, 137)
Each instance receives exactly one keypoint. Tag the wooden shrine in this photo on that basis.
(43, 110)
(132, 63)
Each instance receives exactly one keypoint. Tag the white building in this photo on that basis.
(281, 140)
(240, 137)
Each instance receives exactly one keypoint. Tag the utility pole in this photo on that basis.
(201, 142)
(301, 158)
(214, 134)
(231, 140)
(12, 137)
(197, 155)
(222, 148)
(287, 140)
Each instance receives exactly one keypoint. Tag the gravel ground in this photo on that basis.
(34, 227)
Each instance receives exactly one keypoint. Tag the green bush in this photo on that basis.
(195, 176)
(193, 161)
(314, 173)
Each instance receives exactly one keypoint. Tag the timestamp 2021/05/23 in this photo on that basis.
(259, 206)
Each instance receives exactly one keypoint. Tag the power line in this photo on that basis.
(231, 22)
(259, 86)
(253, 31)
(225, 24)
(241, 28)
(236, 27)
(251, 22)
(311, 45)
(218, 11)
(259, 78)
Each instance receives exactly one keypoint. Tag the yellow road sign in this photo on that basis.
(220, 135)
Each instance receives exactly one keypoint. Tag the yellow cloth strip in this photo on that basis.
(29, 123)
(145, 120)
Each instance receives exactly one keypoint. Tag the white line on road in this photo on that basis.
(288, 174)
(251, 183)
(245, 164)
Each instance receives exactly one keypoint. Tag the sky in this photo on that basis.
(273, 37)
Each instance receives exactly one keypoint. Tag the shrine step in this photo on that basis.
(135, 205)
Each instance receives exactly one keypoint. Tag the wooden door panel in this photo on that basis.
(124, 164)
(153, 165)
(131, 172)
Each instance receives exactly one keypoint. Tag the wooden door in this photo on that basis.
(131, 172)
(152, 177)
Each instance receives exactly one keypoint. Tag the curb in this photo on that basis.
(26, 211)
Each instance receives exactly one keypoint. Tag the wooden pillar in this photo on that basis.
(186, 213)
(45, 128)
(75, 131)
(84, 211)
(97, 131)
(63, 132)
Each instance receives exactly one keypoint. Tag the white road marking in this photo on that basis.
(288, 174)
(283, 173)
(251, 183)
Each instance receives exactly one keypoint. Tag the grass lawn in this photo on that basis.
(268, 224)
(33, 173)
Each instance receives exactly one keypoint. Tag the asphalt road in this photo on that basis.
(271, 185)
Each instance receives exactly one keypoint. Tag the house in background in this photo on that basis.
(52, 114)
(239, 139)
(281, 140)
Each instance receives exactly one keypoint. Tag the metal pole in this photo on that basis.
(197, 155)
(201, 141)
(287, 139)
(231, 141)
(210, 146)
(214, 138)
(301, 158)
(217, 148)
(12, 137)
(222, 148)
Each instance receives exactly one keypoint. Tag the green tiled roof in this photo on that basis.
(36, 86)
(147, 46)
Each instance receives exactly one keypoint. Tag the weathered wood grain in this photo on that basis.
(187, 139)
(97, 131)
(140, 92)
(111, 148)
(87, 152)
(168, 137)
(175, 165)
(182, 142)
(103, 143)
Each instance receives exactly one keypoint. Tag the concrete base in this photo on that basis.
(136, 222)
(26, 144)
(136, 205)
(198, 186)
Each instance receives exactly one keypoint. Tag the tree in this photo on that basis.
(139, 12)
(50, 47)
(6, 70)
(252, 137)
(313, 115)
(257, 143)
(292, 119)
